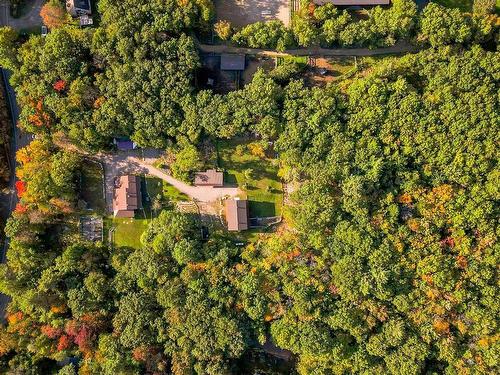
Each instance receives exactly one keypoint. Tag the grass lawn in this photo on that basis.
(91, 186)
(263, 187)
(157, 186)
(127, 232)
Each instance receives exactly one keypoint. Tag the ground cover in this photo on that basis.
(463, 5)
(256, 175)
(127, 232)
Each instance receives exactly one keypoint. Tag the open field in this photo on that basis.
(243, 12)
(255, 175)
(126, 232)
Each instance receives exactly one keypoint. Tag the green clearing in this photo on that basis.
(157, 186)
(126, 232)
(91, 186)
(262, 186)
(300, 60)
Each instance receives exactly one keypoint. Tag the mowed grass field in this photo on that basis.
(127, 232)
(463, 5)
(257, 176)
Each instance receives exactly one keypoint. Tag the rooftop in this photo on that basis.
(209, 178)
(127, 195)
(232, 62)
(236, 214)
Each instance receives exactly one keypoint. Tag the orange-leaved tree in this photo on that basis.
(53, 14)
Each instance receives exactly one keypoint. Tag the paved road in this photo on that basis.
(30, 19)
(399, 48)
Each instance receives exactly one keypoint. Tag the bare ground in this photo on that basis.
(243, 12)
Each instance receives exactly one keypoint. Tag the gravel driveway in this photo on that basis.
(137, 162)
(30, 19)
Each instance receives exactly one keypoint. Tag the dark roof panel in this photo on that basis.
(232, 62)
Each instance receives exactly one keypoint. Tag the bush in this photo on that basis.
(272, 34)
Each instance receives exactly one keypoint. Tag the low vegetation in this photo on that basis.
(248, 166)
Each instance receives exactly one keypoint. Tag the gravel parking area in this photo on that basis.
(244, 12)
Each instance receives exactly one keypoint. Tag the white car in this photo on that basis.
(45, 30)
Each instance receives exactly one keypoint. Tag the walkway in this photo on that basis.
(29, 20)
(399, 48)
(134, 162)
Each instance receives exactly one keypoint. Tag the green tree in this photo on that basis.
(8, 48)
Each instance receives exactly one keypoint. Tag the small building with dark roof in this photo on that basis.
(232, 62)
(127, 196)
(123, 144)
(78, 7)
(211, 177)
(236, 214)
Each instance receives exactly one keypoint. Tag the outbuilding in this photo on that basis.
(79, 7)
(236, 214)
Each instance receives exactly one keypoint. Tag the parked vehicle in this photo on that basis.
(45, 30)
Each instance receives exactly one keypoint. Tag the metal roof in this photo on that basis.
(232, 62)
(209, 178)
(236, 214)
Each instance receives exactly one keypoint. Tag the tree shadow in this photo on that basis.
(261, 209)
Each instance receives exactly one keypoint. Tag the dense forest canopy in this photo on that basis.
(387, 261)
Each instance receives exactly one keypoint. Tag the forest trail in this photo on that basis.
(398, 48)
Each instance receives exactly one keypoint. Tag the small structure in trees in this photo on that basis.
(211, 177)
(236, 214)
(127, 196)
(123, 144)
(232, 62)
(78, 7)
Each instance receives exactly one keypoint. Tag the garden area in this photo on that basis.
(255, 171)
(156, 195)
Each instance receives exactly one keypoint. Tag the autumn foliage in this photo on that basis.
(59, 85)
(53, 15)
(20, 188)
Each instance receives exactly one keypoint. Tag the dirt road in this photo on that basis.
(399, 48)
